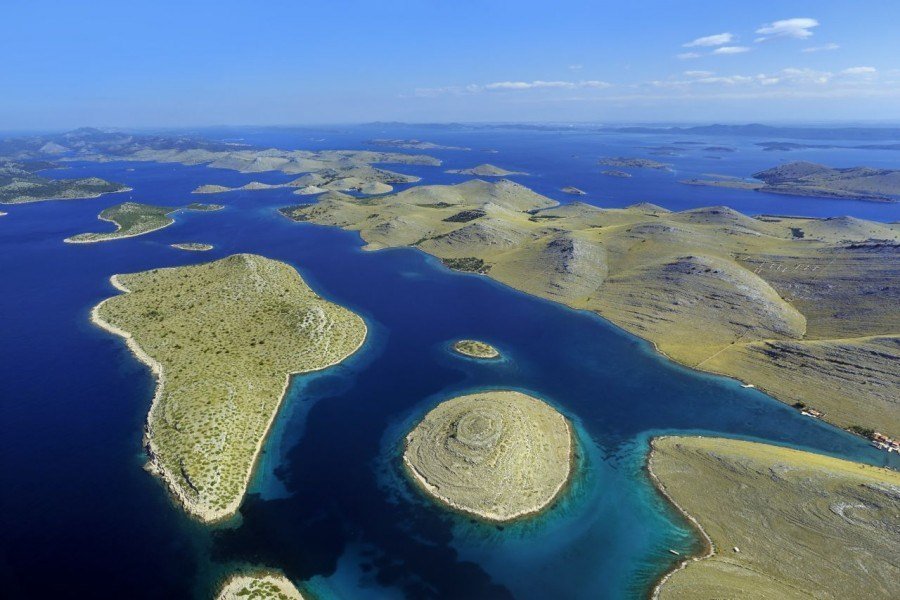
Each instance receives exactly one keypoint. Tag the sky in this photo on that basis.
(195, 63)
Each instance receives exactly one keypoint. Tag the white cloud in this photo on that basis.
(798, 28)
(826, 47)
(575, 67)
(538, 84)
(688, 55)
(731, 50)
(698, 73)
(859, 71)
(711, 40)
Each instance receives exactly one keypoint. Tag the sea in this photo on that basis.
(329, 505)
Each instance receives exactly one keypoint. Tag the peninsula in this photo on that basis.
(132, 219)
(20, 185)
(780, 522)
(223, 339)
(260, 586)
(475, 349)
(811, 179)
(773, 301)
(497, 455)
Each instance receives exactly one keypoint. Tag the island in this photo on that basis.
(635, 163)
(783, 523)
(20, 185)
(616, 173)
(413, 145)
(223, 339)
(569, 189)
(810, 179)
(475, 349)
(192, 246)
(776, 302)
(132, 219)
(266, 585)
(498, 455)
(486, 170)
(364, 179)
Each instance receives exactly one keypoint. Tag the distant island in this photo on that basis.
(475, 349)
(498, 455)
(223, 339)
(811, 179)
(412, 145)
(634, 163)
(791, 146)
(193, 247)
(20, 185)
(486, 170)
(772, 301)
(132, 219)
(616, 173)
(780, 522)
(364, 179)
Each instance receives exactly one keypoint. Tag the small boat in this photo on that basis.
(747, 385)
(675, 552)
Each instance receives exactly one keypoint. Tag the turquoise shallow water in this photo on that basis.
(329, 504)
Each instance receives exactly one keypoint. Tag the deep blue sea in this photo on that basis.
(329, 505)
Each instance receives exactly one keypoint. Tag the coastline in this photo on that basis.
(59, 199)
(709, 549)
(493, 518)
(193, 508)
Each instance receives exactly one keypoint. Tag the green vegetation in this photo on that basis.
(132, 219)
(223, 338)
(469, 264)
(19, 185)
(476, 349)
(498, 455)
(802, 319)
(259, 586)
(780, 523)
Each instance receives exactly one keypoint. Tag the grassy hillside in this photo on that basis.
(803, 525)
(710, 287)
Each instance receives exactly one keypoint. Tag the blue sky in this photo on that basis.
(165, 63)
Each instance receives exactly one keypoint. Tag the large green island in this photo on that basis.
(133, 219)
(497, 455)
(779, 523)
(223, 339)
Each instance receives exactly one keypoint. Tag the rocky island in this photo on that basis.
(811, 179)
(635, 163)
(616, 173)
(830, 525)
(497, 455)
(486, 170)
(223, 339)
(772, 301)
(259, 586)
(132, 219)
(412, 145)
(193, 246)
(20, 185)
(570, 189)
(475, 349)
